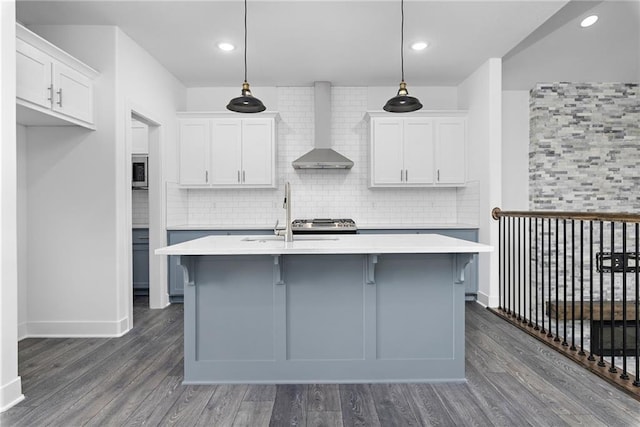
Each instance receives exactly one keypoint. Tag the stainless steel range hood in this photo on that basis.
(322, 156)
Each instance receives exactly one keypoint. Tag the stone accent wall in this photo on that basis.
(584, 152)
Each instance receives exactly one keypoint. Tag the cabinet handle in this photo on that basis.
(243, 177)
(59, 92)
(206, 176)
(438, 175)
(238, 176)
(401, 175)
(406, 175)
(50, 98)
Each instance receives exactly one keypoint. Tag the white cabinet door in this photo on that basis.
(450, 150)
(73, 93)
(418, 151)
(33, 75)
(140, 137)
(387, 153)
(257, 152)
(226, 149)
(427, 150)
(195, 139)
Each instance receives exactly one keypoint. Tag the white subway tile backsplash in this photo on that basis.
(323, 193)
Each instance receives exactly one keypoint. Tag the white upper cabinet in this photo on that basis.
(195, 141)
(450, 151)
(227, 151)
(258, 151)
(140, 137)
(417, 150)
(52, 87)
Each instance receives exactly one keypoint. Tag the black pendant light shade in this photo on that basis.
(246, 103)
(402, 102)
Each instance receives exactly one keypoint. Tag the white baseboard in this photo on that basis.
(22, 331)
(487, 300)
(11, 394)
(74, 329)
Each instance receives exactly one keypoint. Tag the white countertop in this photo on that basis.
(364, 226)
(328, 244)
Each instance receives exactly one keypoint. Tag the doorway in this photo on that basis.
(145, 213)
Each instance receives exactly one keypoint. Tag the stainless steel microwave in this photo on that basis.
(140, 171)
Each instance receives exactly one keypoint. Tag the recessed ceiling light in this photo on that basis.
(589, 21)
(227, 47)
(419, 45)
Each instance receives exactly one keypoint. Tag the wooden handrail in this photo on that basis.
(497, 213)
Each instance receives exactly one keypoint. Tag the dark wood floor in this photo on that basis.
(512, 381)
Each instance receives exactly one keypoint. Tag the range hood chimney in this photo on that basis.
(322, 156)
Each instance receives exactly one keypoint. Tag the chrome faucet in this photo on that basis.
(286, 232)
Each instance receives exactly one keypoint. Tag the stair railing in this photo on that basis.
(572, 280)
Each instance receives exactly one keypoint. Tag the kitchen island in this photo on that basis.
(337, 308)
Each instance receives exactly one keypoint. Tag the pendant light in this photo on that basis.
(402, 103)
(246, 103)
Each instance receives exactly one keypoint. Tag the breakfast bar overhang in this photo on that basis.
(324, 309)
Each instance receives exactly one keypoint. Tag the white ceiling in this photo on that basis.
(357, 42)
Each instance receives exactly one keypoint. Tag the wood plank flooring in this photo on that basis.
(513, 380)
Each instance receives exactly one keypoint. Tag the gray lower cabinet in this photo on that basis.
(176, 277)
(140, 239)
(470, 234)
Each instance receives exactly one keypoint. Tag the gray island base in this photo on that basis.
(274, 312)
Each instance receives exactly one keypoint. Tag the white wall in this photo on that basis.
(21, 166)
(481, 95)
(79, 197)
(73, 285)
(10, 383)
(149, 90)
(515, 150)
(324, 193)
(217, 98)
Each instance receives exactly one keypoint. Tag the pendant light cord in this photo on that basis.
(245, 41)
(401, 38)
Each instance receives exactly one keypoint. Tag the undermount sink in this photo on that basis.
(305, 237)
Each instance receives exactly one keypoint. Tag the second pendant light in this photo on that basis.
(402, 102)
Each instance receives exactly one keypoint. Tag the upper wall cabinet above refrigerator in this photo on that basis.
(140, 137)
(53, 88)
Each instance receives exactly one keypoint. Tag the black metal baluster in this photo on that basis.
(581, 352)
(542, 273)
(637, 380)
(530, 276)
(624, 375)
(537, 327)
(557, 338)
(591, 263)
(508, 304)
(573, 287)
(564, 282)
(519, 264)
(500, 264)
(549, 334)
(513, 270)
(522, 290)
(612, 368)
(601, 332)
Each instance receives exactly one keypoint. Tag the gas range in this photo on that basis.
(323, 225)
